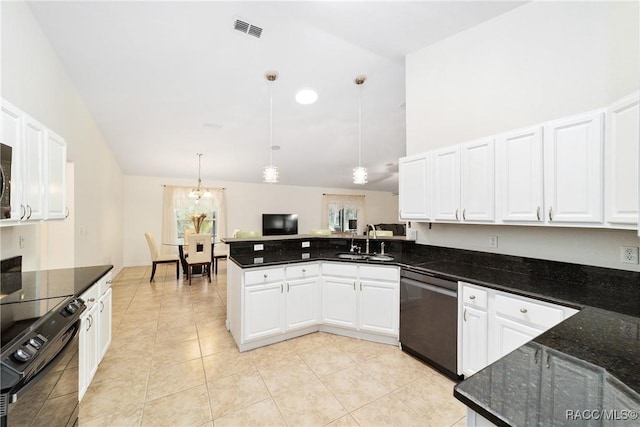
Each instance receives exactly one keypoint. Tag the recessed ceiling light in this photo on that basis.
(306, 96)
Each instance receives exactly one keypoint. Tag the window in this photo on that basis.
(184, 221)
(179, 208)
(338, 209)
(340, 214)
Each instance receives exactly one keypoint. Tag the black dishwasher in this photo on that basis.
(429, 319)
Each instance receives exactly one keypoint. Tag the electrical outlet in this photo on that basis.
(629, 330)
(306, 244)
(629, 254)
(258, 247)
(493, 241)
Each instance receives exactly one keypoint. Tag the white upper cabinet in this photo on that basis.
(573, 155)
(519, 174)
(11, 135)
(38, 168)
(478, 180)
(414, 180)
(33, 173)
(56, 155)
(621, 157)
(446, 184)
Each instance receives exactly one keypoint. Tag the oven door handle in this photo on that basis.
(428, 287)
(22, 388)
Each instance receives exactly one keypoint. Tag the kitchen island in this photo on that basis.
(594, 353)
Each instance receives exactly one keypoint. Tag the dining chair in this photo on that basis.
(188, 232)
(158, 258)
(199, 254)
(219, 252)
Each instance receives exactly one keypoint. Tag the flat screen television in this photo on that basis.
(279, 224)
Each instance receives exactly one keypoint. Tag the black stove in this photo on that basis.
(40, 320)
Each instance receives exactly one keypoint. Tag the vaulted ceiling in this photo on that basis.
(165, 80)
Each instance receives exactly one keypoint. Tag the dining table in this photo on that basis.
(180, 244)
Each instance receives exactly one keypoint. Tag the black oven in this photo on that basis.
(5, 181)
(39, 355)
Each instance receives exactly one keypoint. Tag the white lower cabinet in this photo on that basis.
(475, 346)
(339, 301)
(88, 349)
(271, 304)
(495, 323)
(95, 331)
(364, 298)
(279, 300)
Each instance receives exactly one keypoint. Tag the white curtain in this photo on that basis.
(343, 200)
(175, 199)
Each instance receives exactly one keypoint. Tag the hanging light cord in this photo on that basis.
(271, 123)
(360, 126)
(199, 169)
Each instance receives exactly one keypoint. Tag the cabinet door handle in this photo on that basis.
(548, 361)
(354, 286)
(535, 356)
(523, 310)
(538, 213)
(88, 323)
(92, 299)
(457, 215)
(464, 214)
(101, 306)
(266, 275)
(23, 212)
(551, 214)
(304, 270)
(288, 287)
(66, 215)
(360, 286)
(281, 288)
(30, 211)
(464, 315)
(472, 297)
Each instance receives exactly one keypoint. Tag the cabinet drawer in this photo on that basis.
(263, 275)
(346, 270)
(389, 274)
(91, 295)
(474, 297)
(302, 270)
(536, 313)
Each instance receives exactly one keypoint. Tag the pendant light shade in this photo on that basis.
(270, 174)
(198, 192)
(360, 173)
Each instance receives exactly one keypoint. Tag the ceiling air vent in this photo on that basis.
(245, 27)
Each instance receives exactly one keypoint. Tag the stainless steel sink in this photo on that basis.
(380, 258)
(372, 257)
(352, 256)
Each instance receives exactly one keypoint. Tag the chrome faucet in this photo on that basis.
(375, 236)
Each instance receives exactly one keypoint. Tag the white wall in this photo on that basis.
(34, 80)
(541, 61)
(246, 203)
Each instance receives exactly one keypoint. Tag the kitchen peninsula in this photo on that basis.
(586, 362)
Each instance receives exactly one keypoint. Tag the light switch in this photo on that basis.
(306, 244)
(258, 247)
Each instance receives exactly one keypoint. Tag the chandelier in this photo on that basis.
(270, 173)
(198, 192)
(360, 173)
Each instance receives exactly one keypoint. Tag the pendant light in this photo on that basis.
(360, 173)
(270, 173)
(198, 193)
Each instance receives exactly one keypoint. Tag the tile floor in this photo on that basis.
(172, 362)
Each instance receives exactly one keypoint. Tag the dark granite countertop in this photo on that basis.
(585, 367)
(45, 284)
(615, 291)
